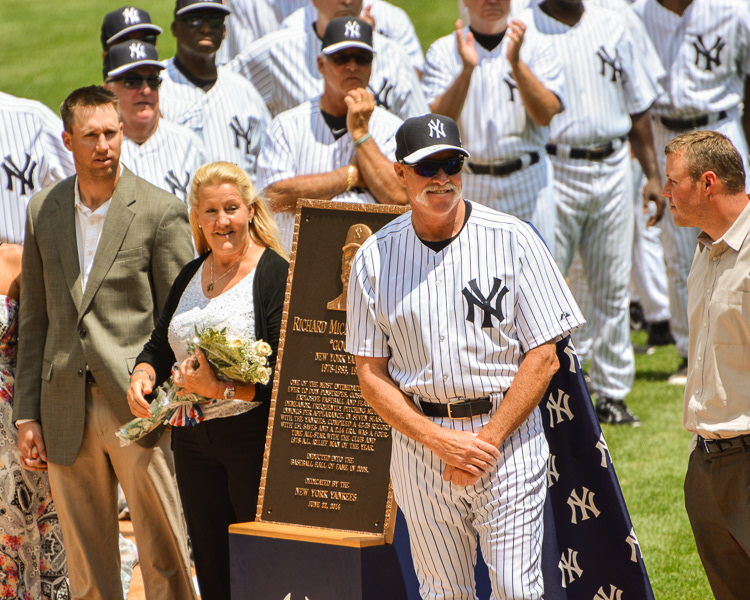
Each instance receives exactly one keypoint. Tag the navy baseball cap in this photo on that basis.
(419, 137)
(347, 32)
(185, 6)
(129, 55)
(123, 21)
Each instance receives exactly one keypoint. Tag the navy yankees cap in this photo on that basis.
(186, 6)
(128, 55)
(123, 21)
(419, 137)
(347, 32)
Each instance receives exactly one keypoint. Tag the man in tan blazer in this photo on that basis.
(102, 249)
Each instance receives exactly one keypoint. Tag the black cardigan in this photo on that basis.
(269, 288)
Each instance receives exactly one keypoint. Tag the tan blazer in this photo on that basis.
(145, 242)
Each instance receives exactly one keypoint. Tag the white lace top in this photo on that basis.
(233, 309)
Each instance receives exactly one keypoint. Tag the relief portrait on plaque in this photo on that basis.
(355, 237)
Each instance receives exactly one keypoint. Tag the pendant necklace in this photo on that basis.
(210, 286)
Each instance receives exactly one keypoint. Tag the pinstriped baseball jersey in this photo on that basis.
(32, 156)
(300, 142)
(167, 159)
(390, 21)
(706, 53)
(456, 323)
(605, 77)
(283, 67)
(230, 118)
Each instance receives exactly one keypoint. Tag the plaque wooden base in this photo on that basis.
(272, 561)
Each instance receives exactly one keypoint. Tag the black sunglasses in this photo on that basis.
(361, 58)
(134, 82)
(430, 168)
(149, 39)
(194, 21)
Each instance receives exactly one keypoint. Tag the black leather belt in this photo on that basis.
(90, 378)
(692, 123)
(460, 409)
(723, 445)
(595, 153)
(505, 168)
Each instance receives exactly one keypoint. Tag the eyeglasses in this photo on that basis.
(342, 58)
(430, 168)
(134, 82)
(194, 21)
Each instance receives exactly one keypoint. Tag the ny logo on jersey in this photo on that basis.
(241, 133)
(131, 16)
(552, 474)
(137, 50)
(558, 408)
(711, 55)
(474, 297)
(614, 593)
(382, 95)
(177, 186)
(569, 567)
(351, 30)
(437, 129)
(612, 61)
(24, 175)
(512, 87)
(635, 547)
(584, 503)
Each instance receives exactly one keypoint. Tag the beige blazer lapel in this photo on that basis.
(116, 225)
(67, 245)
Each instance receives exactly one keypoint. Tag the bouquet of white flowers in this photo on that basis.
(230, 358)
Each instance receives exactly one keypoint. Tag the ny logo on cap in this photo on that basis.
(131, 16)
(137, 50)
(436, 128)
(352, 29)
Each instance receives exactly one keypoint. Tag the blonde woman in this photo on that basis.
(238, 282)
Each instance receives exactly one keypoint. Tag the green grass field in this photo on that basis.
(51, 47)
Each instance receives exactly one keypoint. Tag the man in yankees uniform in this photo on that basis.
(705, 48)
(452, 315)
(608, 93)
(161, 152)
(221, 107)
(339, 146)
(32, 156)
(503, 85)
(283, 65)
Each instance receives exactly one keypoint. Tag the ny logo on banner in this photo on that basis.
(131, 16)
(613, 62)
(241, 133)
(711, 55)
(351, 30)
(601, 445)
(512, 87)
(571, 354)
(137, 50)
(24, 175)
(584, 503)
(437, 130)
(569, 567)
(635, 547)
(177, 185)
(476, 298)
(381, 95)
(552, 475)
(614, 593)
(559, 408)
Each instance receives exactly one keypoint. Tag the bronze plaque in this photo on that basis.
(328, 453)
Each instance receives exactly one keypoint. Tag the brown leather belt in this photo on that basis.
(460, 409)
(723, 445)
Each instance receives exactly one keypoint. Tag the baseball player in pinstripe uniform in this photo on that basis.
(161, 152)
(339, 146)
(705, 48)
(32, 156)
(452, 314)
(387, 19)
(283, 66)
(503, 85)
(609, 93)
(222, 108)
